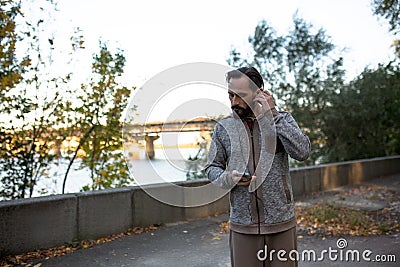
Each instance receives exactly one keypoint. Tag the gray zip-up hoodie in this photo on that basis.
(263, 149)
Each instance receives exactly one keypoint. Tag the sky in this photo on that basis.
(157, 35)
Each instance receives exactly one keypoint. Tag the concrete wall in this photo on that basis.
(43, 222)
(306, 180)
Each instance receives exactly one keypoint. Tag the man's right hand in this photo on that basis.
(237, 178)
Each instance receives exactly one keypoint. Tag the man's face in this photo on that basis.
(241, 96)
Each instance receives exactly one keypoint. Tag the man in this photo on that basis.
(249, 156)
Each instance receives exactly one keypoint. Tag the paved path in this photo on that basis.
(199, 243)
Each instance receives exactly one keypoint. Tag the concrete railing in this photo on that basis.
(306, 180)
(43, 222)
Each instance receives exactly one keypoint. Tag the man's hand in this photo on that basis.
(237, 179)
(264, 102)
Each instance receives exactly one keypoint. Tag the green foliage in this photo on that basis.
(195, 164)
(390, 10)
(10, 68)
(11, 74)
(27, 112)
(363, 120)
(40, 109)
(103, 101)
(344, 121)
(300, 69)
(268, 54)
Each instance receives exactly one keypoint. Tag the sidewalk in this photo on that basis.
(200, 243)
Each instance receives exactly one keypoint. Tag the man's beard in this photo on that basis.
(242, 112)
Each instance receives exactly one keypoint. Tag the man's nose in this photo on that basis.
(235, 100)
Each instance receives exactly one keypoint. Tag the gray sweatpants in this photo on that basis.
(262, 250)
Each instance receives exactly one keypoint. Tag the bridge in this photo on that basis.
(149, 131)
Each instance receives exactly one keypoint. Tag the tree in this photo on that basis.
(390, 10)
(40, 109)
(99, 122)
(24, 114)
(301, 69)
(268, 52)
(11, 68)
(32, 100)
(367, 111)
(10, 75)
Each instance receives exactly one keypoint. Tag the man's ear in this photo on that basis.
(257, 92)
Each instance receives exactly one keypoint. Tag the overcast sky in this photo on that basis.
(157, 35)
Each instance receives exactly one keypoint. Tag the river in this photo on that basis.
(170, 164)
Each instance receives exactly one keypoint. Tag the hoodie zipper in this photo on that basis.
(254, 167)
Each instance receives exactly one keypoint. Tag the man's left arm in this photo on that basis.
(295, 142)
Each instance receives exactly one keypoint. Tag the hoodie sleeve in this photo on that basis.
(217, 161)
(295, 142)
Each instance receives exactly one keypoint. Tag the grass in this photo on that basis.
(331, 219)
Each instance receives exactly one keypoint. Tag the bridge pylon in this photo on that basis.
(150, 145)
